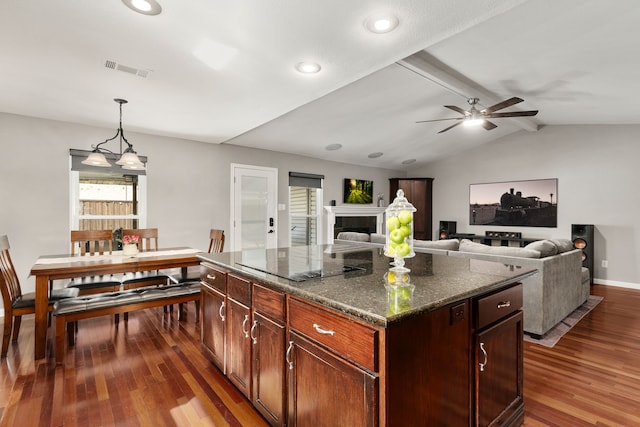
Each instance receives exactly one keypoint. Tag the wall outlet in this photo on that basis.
(605, 263)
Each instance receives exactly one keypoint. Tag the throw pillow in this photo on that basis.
(545, 247)
(563, 245)
(447, 244)
(478, 248)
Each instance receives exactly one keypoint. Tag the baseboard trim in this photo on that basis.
(616, 283)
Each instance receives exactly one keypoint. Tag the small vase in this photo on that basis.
(130, 251)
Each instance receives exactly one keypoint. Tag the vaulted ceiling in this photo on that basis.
(574, 61)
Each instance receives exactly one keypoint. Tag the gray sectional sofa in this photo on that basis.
(560, 286)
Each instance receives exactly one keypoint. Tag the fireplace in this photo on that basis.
(363, 219)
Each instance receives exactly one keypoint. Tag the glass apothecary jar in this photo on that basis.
(399, 233)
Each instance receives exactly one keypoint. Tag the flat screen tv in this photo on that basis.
(532, 203)
(358, 191)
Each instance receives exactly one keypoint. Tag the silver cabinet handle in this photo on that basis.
(220, 312)
(287, 356)
(323, 331)
(486, 357)
(254, 338)
(504, 304)
(210, 277)
(244, 324)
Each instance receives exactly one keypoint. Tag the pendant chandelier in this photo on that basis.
(127, 159)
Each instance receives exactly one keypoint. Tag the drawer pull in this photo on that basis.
(244, 324)
(210, 277)
(504, 304)
(254, 338)
(323, 331)
(287, 356)
(220, 312)
(486, 357)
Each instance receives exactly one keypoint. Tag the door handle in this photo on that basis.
(270, 231)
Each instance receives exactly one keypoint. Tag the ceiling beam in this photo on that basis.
(432, 69)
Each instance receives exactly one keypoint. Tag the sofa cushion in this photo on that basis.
(378, 238)
(352, 235)
(469, 246)
(545, 247)
(563, 245)
(447, 244)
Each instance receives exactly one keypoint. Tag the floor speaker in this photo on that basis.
(582, 236)
(447, 228)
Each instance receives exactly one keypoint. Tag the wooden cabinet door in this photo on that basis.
(239, 346)
(212, 327)
(325, 390)
(269, 382)
(418, 192)
(498, 373)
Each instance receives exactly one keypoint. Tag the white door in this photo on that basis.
(254, 197)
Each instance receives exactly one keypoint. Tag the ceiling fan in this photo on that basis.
(479, 117)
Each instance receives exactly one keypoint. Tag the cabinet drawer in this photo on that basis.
(500, 304)
(268, 302)
(215, 277)
(351, 340)
(239, 289)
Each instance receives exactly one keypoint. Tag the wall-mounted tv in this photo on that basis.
(358, 191)
(532, 203)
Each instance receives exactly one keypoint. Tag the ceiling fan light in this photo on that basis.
(473, 122)
(96, 159)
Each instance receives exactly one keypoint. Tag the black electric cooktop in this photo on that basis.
(297, 264)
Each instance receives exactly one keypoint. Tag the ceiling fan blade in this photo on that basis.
(457, 109)
(488, 125)
(452, 126)
(504, 104)
(440, 120)
(511, 114)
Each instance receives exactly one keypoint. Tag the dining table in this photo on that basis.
(55, 267)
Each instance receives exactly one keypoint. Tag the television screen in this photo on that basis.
(358, 191)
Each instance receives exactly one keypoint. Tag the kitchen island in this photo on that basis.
(313, 335)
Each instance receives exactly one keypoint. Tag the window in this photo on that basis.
(106, 199)
(305, 210)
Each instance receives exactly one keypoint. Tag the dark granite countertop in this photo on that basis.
(438, 279)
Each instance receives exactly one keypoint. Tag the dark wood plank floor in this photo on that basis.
(150, 371)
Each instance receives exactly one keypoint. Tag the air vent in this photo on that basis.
(140, 72)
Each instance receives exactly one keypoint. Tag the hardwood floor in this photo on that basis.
(150, 371)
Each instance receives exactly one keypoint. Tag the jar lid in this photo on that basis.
(401, 203)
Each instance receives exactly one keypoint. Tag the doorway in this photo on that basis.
(254, 197)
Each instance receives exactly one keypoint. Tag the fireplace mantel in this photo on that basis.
(335, 211)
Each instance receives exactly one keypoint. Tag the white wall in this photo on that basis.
(188, 185)
(598, 178)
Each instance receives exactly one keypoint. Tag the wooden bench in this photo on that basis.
(71, 310)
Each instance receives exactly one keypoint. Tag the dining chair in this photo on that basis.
(216, 245)
(17, 304)
(93, 243)
(148, 242)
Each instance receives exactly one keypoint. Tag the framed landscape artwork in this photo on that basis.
(532, 203)
(358, 191)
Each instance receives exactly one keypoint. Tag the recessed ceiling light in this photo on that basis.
(381, 23)
(146, 7)
(408, 161)
(333, 147)
(308, 67)
(375, 155)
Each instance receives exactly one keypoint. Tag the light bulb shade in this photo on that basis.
(473, 122)
(130, 161)
(97, 159)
